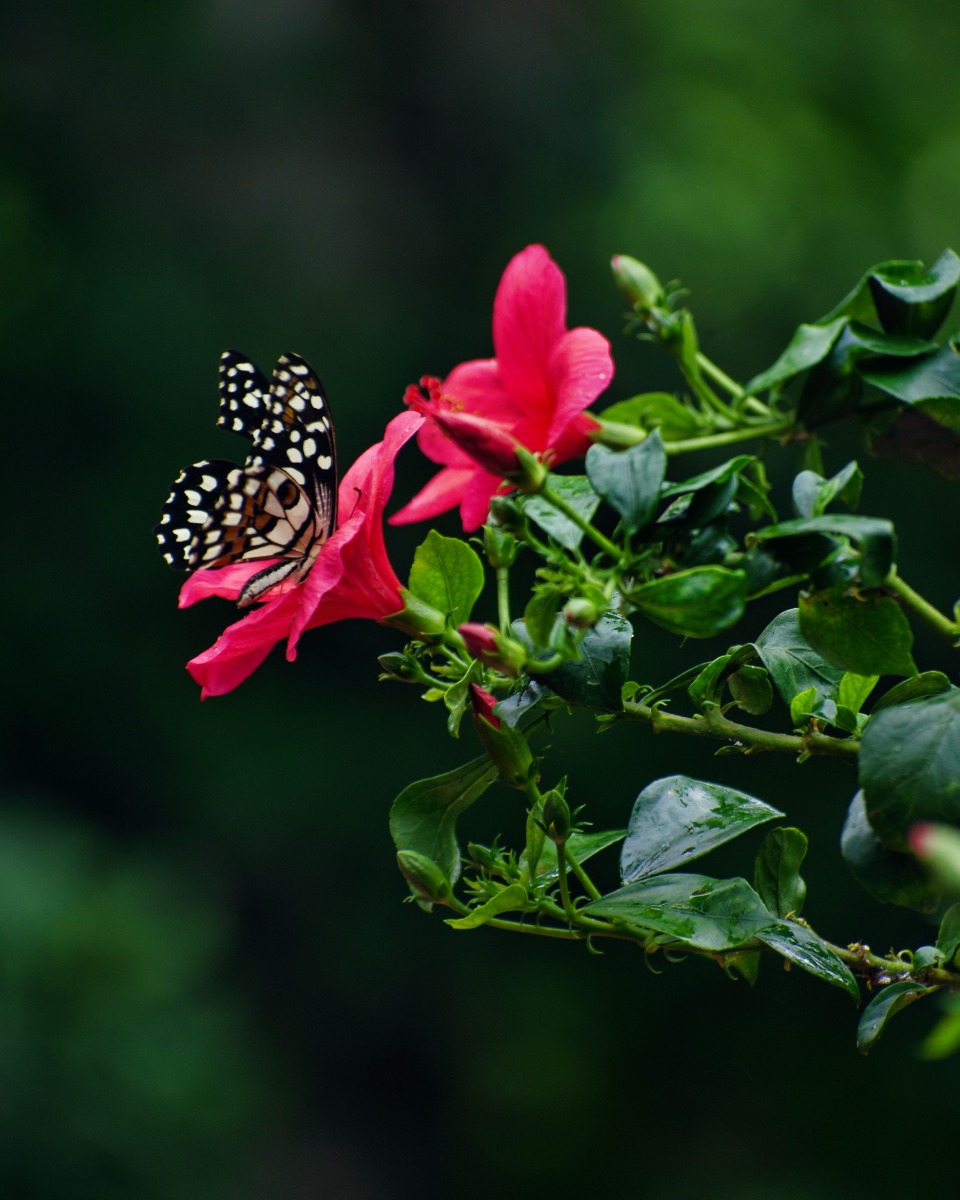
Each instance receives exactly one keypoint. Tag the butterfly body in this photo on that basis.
(282, 503)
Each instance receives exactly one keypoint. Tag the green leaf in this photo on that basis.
(813, 495)
(597, 679)
(888, 875)
(751, 689)
(801, 945)
(927, 683)
(722, 473)
(629, 480)
(678, 819)
(948, 938)
(581, 845)
(792, 662)
(809, 345)
(655, 410)
(705, 913)
(866, 633)
(944, 1038)
(423, 817)
(885, 1005)
(776, 872)
(456, 698)
(698, 602)
(854, 690)
(510, 899)
(540, 615)
(447, 575)
(707, 688)
(910, 765)
(577, 491)
(920, 380)
(874, 537)
(912, 300)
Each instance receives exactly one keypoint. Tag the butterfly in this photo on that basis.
(282, 503)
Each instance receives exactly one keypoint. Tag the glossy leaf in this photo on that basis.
(597, 679)
(813, 495)
(854, 690)
(678, 819)
(888, 875)
(928, 377)
(655, 410)
(707, 688)
(861, 632)
(776, 872)
(447, 575)
(884, 1006)
(792, 662)
(708, 914)
(927, 683)
(511, 899)
(751, 689)
(874, 537)
(629, 480)
(809, 345)
(577, 491)
(699, 602)
(910, 765)
(802, 946)
(423, 817)
(912, 300)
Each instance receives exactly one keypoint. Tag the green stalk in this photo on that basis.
(581, 522)
(922, 609)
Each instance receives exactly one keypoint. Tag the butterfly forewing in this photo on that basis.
(282, 502)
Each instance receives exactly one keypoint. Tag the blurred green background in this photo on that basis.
(209, 986)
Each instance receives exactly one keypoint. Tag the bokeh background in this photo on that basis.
(209, 984)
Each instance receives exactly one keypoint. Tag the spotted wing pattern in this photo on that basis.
(281, 504)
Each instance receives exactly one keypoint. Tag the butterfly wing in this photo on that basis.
(282, 502)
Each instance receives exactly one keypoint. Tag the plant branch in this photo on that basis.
(922, 609)
(714, 724)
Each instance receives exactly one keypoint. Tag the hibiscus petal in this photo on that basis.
(580, 369)
(476, 500)
(529, 316)
(220, 581)
(243, 646)
(444, 491)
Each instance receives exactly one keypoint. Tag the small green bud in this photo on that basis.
(637, 283)
(507, 747)
(499, 546)
(400, 667)
(581, 613)
(426, 880)
(556, 816)
(507, 513)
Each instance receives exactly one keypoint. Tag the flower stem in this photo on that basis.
(585, 881)
(503, 598)
(746, 433)
(922, 609)
(580, 521)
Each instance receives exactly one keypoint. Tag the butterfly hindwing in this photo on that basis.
(282, 502)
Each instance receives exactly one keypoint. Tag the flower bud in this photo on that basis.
(499, 546)
(637, 282)
(581, 613)
(507, 747)
(426, 880)
(400, 667)
(507, 513)
(556, 816)
(939, 845)
(492, 648)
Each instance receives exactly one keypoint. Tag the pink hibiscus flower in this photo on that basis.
(352, 576)
(533, 392)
